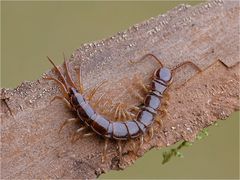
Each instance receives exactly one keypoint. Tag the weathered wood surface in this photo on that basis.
(31, 146)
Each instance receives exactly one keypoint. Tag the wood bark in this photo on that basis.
(207, 35)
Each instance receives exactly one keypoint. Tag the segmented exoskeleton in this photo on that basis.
(109, 129)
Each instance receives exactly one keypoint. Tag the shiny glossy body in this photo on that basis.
(131, 128)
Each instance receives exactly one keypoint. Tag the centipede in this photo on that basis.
(133, 128)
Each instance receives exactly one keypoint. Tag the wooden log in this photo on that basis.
(206, 35)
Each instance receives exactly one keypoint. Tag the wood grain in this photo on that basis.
(207, 35)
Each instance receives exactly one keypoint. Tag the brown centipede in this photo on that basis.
(120, 131)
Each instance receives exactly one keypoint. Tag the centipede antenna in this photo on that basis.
(154, 58)
(185, 63)
(59, 72)
(149, 54)
(67, 72)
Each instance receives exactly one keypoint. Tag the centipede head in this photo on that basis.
(67, 81)
(163, 74)
(75, 97)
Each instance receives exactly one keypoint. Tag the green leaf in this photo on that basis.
(188, 144)
(199, 137)
(179, 154)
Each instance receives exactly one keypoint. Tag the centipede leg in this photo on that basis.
(104, 104)
(116, 114)
(105, 150)
(124, 116)
(112, 109)
(78, 71)
(166, 96)
(120, 115)
(135, 108)
(95, 104)
(159, 120)
(163, 109)
(120, 150)
(127, 114)
(145, 87)
(70, 81)
(151, 133)
(122, 112)
(165, 104)
(141, 140)
(134, 147)
(107, 110)
(163, 113)
(74, 139)
(66, 122)
(88, 134)
(137, 95)
(141, 83)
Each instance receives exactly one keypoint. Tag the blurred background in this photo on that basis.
(32, 30)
